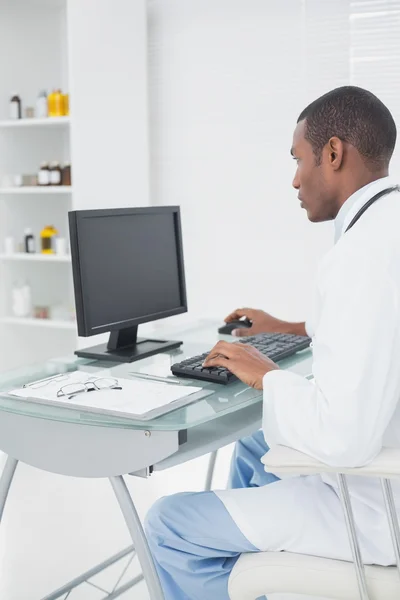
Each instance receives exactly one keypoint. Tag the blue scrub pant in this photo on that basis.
(194, 541)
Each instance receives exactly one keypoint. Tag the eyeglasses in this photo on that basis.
(72, 389)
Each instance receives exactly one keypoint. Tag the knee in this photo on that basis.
(255, 444)
(163, 516)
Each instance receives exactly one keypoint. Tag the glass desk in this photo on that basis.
(197, 339)
(97, 445)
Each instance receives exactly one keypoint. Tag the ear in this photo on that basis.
(335, 149)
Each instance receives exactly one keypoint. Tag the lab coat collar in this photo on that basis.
(356, 201)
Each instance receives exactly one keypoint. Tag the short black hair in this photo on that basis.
(356, 116)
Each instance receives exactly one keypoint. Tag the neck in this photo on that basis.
(359, 182)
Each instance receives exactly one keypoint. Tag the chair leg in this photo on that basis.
(351, 531)
(392, 518)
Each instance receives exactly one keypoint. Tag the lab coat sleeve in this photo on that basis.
(341, 417)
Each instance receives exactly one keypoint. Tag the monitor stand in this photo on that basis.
(125, 346)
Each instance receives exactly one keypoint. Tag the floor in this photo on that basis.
(55, 527)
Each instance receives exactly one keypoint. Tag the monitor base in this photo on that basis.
(141, 349)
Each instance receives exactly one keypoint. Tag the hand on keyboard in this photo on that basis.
(275, 346)
(244, 361)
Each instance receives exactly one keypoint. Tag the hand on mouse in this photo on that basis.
(262, 322)
(247, 363)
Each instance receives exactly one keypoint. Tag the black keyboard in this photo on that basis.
(274, 345)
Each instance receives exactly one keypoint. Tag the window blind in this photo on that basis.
(375, 54)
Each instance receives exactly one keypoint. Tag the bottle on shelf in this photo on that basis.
(48, 236)
(41, 105)
(66, 174)
(44, 174)
(9, 245)
(29, 241)
(65, 104)
(55, 104)
(21, 303)
(15, 107)
(61, 246)
(55, 173)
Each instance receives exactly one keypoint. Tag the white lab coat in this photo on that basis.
(351, 410)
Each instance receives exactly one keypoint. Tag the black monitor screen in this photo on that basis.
(130, 266)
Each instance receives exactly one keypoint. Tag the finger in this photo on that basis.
(244, 331)
(218, 361)
(221, 347)
(238, 313)
(226, 350)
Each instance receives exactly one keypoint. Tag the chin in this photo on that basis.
(317, 218)
(312, 216)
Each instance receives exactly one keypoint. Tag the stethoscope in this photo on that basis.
(370, 202)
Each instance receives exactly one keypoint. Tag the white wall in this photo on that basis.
(108, 82)
(228, 79)
(107, 43)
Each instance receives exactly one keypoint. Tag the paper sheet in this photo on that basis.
(137, 397)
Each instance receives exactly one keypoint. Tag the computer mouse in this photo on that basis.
(227, 328)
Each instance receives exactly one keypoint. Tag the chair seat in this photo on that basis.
(281, 459)
(264, 573)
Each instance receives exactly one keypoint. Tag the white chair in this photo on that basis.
(265, 573)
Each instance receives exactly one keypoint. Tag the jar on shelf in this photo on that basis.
(44, 174)
(55, 173)
(66, 174)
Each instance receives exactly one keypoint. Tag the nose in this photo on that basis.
(296, 181)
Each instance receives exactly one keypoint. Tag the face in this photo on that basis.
(315, 183)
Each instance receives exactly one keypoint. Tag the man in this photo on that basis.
(342, 145)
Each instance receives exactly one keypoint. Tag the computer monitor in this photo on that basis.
(128, 269)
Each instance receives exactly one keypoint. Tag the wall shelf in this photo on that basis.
(45, 323)
(37, 257)
(38, 190)
(28, 123)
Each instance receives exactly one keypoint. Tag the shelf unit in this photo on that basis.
(24, 144)
(36, 190)
(41, 323)
(22, 123)
(36, 257)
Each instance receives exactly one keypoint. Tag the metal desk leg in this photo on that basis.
(351, 531)
(210, 470)
(392, 518)
(138, 537)
(6, 481)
